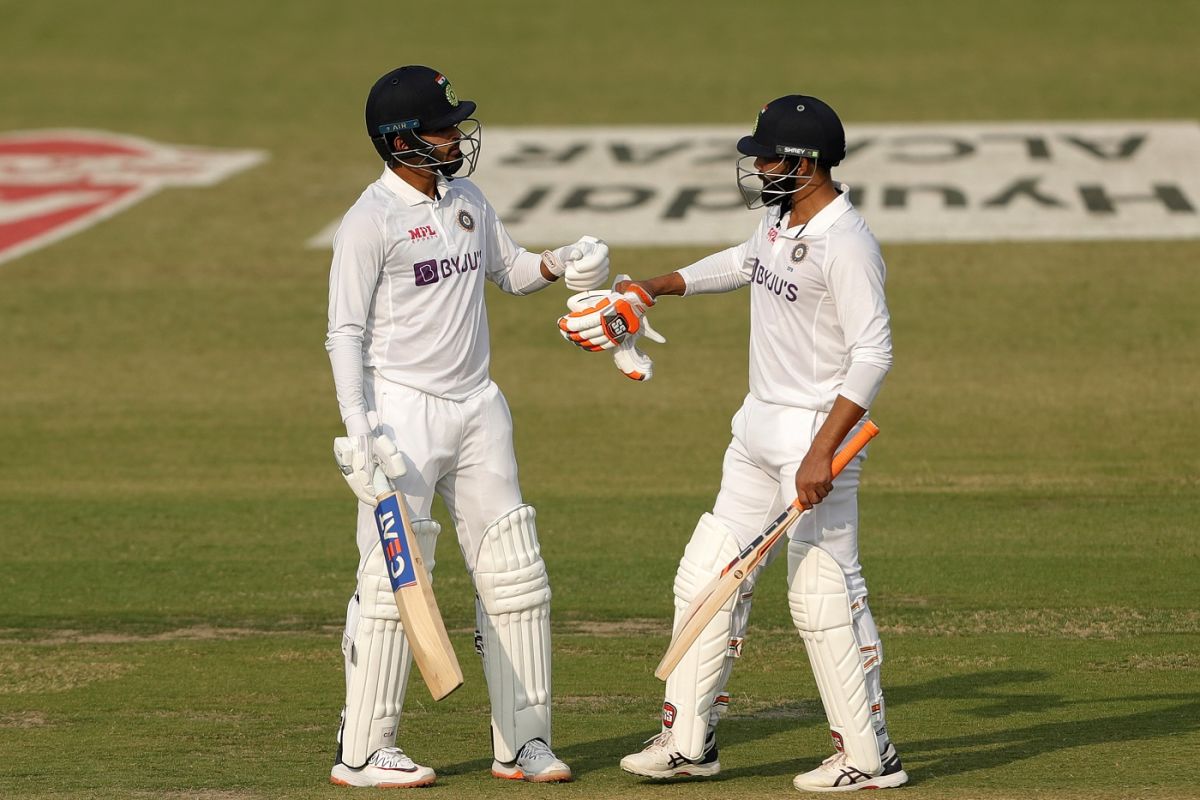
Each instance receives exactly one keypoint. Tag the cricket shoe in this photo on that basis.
(535, 763)
(387, 768)
(660, 759)
(836, 774)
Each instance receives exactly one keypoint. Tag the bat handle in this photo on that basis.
(381, 484)
(844, 456)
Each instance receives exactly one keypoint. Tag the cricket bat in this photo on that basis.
(712, 597)
(419, 613)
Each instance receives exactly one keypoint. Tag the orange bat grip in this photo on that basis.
(857, 442)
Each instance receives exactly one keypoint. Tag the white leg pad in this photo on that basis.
(378, 659)
(694, 699)
(513, 618)
(821, 610)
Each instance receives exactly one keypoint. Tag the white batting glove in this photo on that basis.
(583, 265)
(367, 462)
(609, 321)
(631, 361)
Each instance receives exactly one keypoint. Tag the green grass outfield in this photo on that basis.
(176, 544)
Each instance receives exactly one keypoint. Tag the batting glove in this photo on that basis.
(631, 361)
(367, 462)
(609, 321)
(584, 264)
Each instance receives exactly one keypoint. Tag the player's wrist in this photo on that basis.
(358, 425)
(670, 284)
(553, 263)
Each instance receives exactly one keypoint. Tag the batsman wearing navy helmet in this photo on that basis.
(820, 346)
(408, 343)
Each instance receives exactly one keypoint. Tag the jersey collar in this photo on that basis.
(823, 220)
(401, 188)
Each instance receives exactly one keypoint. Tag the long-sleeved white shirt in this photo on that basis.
(406, 290)
(819, 322)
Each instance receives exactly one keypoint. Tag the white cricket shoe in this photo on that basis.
(660, 759)
(535, 763)
(387, 768)
(836, 774)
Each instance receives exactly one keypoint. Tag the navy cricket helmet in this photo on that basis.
(797, 126)
(411, 100)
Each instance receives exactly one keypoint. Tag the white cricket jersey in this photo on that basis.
(819, 323)
(406, 288)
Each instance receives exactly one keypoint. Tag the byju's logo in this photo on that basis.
(426, 272)
(54, 183)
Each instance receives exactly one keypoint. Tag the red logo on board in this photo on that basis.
(54, 183)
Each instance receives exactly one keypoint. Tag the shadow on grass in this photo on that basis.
(983, 694)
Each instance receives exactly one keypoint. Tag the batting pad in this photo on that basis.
(513, 616)
(821, 609)
(691, 705)
(378, 659)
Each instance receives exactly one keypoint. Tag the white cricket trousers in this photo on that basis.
(758, 480)
(462, 450)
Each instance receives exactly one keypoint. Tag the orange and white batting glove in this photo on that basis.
(632, 362)
(612, 318)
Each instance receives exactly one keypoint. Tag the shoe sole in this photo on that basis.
(691, 771)
(350, 781)
(415, 785)
(518, 775)
(892, 781)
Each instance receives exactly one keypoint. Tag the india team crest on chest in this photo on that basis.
(799, 252)
(466, 221)
(54, 183)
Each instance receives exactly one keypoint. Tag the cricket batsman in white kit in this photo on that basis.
(408, 343)
(820, 346)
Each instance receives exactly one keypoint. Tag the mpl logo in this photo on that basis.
(54, 183)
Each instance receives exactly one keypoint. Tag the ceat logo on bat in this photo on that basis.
(54, 183)
(389, 523)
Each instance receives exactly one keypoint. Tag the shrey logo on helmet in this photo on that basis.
(54, 183)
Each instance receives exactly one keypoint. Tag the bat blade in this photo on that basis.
(716, 593)
(423, 625)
